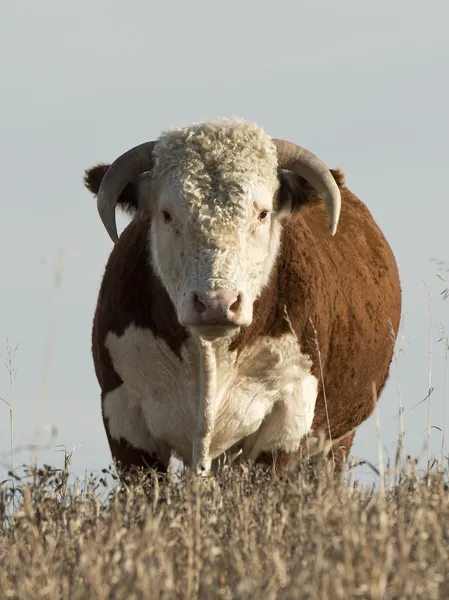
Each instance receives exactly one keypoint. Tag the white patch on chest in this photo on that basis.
(264, 401)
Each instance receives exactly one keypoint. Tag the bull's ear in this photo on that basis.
(294, 191)
(291, 194)
(129, 198)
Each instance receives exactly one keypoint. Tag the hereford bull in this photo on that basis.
(230, 320)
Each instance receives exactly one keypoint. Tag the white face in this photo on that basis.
(215, 247)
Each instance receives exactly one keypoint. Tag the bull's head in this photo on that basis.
(214, 195)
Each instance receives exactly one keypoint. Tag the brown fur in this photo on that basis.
(341, 294)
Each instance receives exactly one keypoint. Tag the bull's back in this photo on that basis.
(347, 287)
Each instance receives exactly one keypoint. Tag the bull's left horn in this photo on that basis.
(124, 169)
(306, 164)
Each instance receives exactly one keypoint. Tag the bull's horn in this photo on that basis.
(306, 164)
(123, 170)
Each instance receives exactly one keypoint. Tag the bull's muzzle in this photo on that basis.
(213, 310)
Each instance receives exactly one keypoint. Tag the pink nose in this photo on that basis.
(217, 308)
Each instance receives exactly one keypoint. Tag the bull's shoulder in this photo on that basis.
(132, 294)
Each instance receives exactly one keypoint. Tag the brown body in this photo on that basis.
(341, 294)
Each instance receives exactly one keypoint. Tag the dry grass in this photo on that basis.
(241, 534)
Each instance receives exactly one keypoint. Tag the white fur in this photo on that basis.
(263, 401)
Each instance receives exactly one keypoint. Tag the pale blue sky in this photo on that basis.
(363, 85)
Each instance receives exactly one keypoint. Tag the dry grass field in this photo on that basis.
(241, 534)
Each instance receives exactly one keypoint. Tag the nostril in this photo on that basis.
(200, 307)
(236, 304)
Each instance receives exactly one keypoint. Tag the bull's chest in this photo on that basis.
(264, 400)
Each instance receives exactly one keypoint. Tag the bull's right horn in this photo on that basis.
(124, 169)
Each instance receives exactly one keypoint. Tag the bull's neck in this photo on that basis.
(213, 372)
(206, 405)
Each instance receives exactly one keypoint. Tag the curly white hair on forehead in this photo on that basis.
(211, 156)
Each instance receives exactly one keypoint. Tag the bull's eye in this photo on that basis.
(166, 216)
(263, 216)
